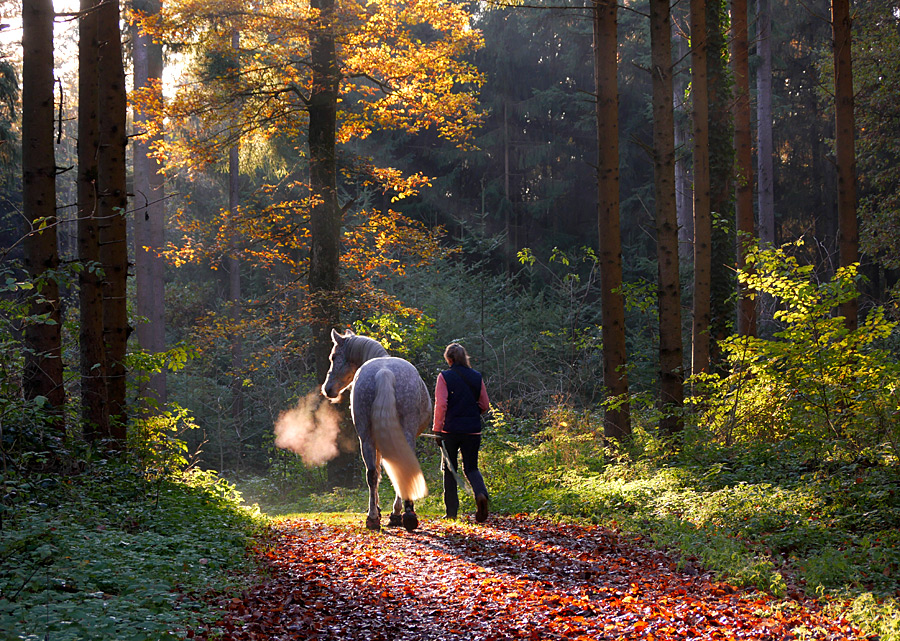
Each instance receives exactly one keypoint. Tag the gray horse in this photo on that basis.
(390, 406)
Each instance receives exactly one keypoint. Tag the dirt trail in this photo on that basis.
(510, 578)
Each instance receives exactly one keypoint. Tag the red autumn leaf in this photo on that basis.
(513, 578)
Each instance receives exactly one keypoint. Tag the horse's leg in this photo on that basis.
(395, 519)
(373, 476)
(411, 429)
(410, 520)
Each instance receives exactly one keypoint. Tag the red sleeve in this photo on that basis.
(440, 404)
(484, 403)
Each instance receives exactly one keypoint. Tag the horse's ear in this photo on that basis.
(337, 338)
(348, 333)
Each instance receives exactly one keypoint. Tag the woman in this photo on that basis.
(460, 398)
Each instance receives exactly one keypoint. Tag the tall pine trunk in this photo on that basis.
(149, 211)
(43, 375)
(112, 207)
(615, 376)
(765, 145)
(702, 218)
(721, 179)
(683, 175)
(744, 219)
(94, 407)
(844, 129)
(671, 376)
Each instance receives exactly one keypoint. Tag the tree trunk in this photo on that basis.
(765, 150)
(721, 179)
(765, 145)
(746, 313)
(683, 176)
(615, 376)
(844, 129)
(234, 292)
(671, 377)
(149, 212)
(325, 217)
(702, 223)
(94, 407)
(113, 203)
(43, 375)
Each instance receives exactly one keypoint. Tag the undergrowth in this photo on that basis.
(109, 554)
(768, 518)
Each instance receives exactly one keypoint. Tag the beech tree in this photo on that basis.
(671, 375)
(314, 77)
(43, 375)
(615, 376)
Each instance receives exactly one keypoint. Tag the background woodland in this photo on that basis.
(666, 233)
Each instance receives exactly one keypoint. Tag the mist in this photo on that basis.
(310, 429)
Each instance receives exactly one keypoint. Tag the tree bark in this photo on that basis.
(765, 148)
(765, 145)
(149, 212)
(234, 291)
(683, 176)
(94, 407)
(112, 207)
(43, 374)
(744, 219)
(671, 376)
(325, 217)
(702, 217)
(844, 125)
(721, 180)
(615, 375)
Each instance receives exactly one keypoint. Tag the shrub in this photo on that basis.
(815, 381)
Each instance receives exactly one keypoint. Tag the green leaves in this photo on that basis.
(815, 379)
(92, 557)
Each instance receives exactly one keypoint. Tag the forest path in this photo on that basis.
(509, 578)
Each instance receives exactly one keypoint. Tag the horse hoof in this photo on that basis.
(395, 520)
(410, 521)
(373, 523)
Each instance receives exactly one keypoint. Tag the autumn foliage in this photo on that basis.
(247, 82)
(514, 578)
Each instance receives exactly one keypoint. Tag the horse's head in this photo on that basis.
(341, 372)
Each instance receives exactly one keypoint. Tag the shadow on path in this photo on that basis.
(510, 578)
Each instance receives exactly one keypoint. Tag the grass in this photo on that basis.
(106, 554)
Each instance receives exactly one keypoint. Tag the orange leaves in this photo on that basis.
(401, 65)
(454, 581)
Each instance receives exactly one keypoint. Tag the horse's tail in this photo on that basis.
(399, 460)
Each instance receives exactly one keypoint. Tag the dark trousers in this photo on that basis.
(468, 445)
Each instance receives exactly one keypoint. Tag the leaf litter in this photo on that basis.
(514, 577)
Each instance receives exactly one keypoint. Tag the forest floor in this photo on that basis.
(509, 578)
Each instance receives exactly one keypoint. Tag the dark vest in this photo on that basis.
(463, 389)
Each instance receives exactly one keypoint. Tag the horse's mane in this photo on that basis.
(362, 348)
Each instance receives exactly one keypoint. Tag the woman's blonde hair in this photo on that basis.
(456, 354)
